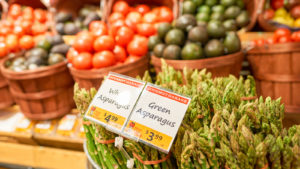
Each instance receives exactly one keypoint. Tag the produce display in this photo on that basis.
(22, 27)
(231, 13)
(48, 51)
(281, 35)
(225, 126)
(124, 40)
(283, 12)
(186, 40)
(66, 24)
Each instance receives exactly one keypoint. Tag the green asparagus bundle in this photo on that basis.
(224, 127)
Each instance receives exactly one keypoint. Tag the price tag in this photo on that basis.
(156, 117)
(114, 101)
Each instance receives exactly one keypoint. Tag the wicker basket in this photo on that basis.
(218, 66)
(44, 93)
(172, 4)
(93, 78)
(277, 71)
(6, 98)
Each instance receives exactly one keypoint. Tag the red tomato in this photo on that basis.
(83, 43)
(95, 25)
(115, 16)
(40, 15)
(28, 16)
(282, 32)
(15, 10)
(132, 19)
(284, 39)
(268, 14)
(296, 37)
(259, 42)
(146, 29)
(19, 31)
(120, 53)
(101, 30)
(142, 9)
(165, 15)
(2, 39)
(124, 36)
(5, 31)
(28, 10)
(156, 11)
(122, 7)
(132, 59)
(85, 34)
(12, 42)
(26, 42)
(3, 49)
(104, 43)
(26, 25)
(295, 12)
(83, 61)
(103, 59)
(137, 47)
(38, 29)
(114, 27)
(276, 4)
(150, 17)
(72, 53)
(271, 40)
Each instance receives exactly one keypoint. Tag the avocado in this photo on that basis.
(240, 3)
(217, 16)
(198, 2)
(218, 9)
(172, 52)
(232, 43)
(19, 68)
(243, 19)
(92, 16)
(55, 58)
(232, 12)
(214, 48)
(84, 12)
(163, 29)
(32, 66)
(70, 29)
(78, 23)
(63, 17)
(59, 27)
(35, 59)
(230, 25)
(191, 51)
(57, 39)
(159, 49)
(185, 21)
(189, 7)
(201, 23)
(215, 29)
(38, 52)
(211, 2)
(202, 17)
(60, 48)
(227, 3)
(153, 41)
(18, 61)
(175, 36)
(203, 9)
(198, 34)
(44, 44)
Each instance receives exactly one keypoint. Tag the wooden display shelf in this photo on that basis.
(41, 157)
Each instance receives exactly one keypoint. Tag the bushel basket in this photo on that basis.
(44, 93)
(219, 66)
(93, 78)
(277, 71)
(6, 98)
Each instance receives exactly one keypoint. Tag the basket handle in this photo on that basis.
(260, 6)
(4, 5)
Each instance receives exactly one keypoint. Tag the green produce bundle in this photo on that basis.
(225, 126)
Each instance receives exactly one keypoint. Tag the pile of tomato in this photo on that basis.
(22, 28)
(123, 40)
(281, 35)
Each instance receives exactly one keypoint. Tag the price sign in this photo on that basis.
(114, 101)
(156, 117)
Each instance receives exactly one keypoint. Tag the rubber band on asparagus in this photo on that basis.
(152, 162)
(248, 98)
(104, 141)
